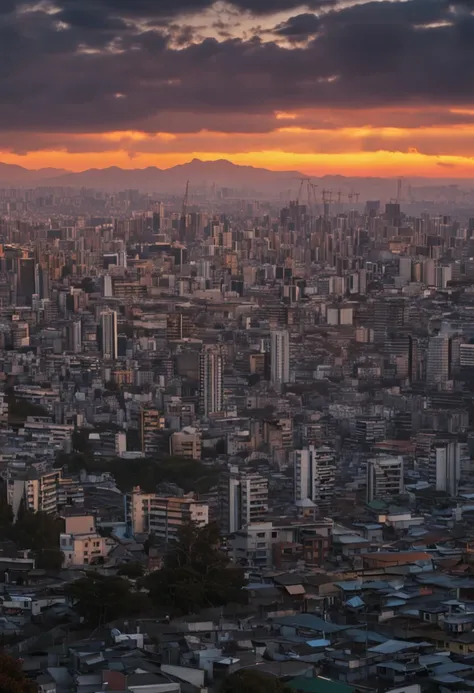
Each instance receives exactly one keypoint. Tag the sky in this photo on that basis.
(382, 88)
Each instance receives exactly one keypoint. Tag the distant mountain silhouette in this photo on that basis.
(204, 175)
(222, 173)
(11, 174)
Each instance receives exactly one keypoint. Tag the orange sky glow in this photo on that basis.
(443, 151)
(347, 152)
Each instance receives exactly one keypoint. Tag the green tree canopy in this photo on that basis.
(100, 599)
(12, 678)
(253, 681)
(190, 475)
(196, 573)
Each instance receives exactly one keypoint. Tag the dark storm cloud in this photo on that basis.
(173, 8)
(85, 69)
(299, 27)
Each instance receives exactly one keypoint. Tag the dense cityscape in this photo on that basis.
(236, 441)
(236, 346)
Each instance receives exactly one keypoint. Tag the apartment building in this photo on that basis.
(384, 477)
(186, 443)
(80, 542)
(243, 499)
(149, 513)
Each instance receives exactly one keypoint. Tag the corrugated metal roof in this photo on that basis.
(295, 589)
(310, 622)
(392, 646)
(319, 685)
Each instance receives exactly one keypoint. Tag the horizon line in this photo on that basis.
(65, 171)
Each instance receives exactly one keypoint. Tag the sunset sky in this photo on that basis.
(351, 87)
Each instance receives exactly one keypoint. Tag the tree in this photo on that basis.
(100, 599)
(253, 681)
(131, 570)
(37, 531)
(49, 559)
(196, 573)
(190, 475)
(88, 285)
(12, 678)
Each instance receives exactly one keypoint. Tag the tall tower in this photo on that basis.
(445, 466)
(108, 330)
(314, 476)
(242, 499)
(280, 357)
(437, 367)
(211, 377)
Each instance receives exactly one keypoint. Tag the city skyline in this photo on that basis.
(353, 87)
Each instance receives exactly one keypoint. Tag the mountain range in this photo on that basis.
(221, 173)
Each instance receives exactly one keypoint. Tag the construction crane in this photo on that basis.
(327, 196)
(184, 209)
(309, 190)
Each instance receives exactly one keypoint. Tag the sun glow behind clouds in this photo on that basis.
(379, 163)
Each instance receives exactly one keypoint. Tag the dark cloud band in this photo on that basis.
(89, 67)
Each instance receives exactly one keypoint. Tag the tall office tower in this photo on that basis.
(399, 351)
(280, 357)
(107, 286)
(74, 337)
(443, 275)
(211, 377)
(178, 326)
(41, 281)
(26, 280)
(20, 333)
(384, 477)
(405, 269)
(438, 359)
(389, 313)
(444, 466)
(314, 476)
(108, 335)
(393, 214)
(243, 499)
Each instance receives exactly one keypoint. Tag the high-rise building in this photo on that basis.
(243, 499)
(400, 350)
(20, 333)
(26, 283)
(74, 336)
(107, 286)
(389, 313)
(438, 359)
(370, 429)
(314, 476)
(108, 335)
(211, 380)
(41, 281)
(152, 422)
(444, 466)
(178, 326)
(384, 477)
(280, 357)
